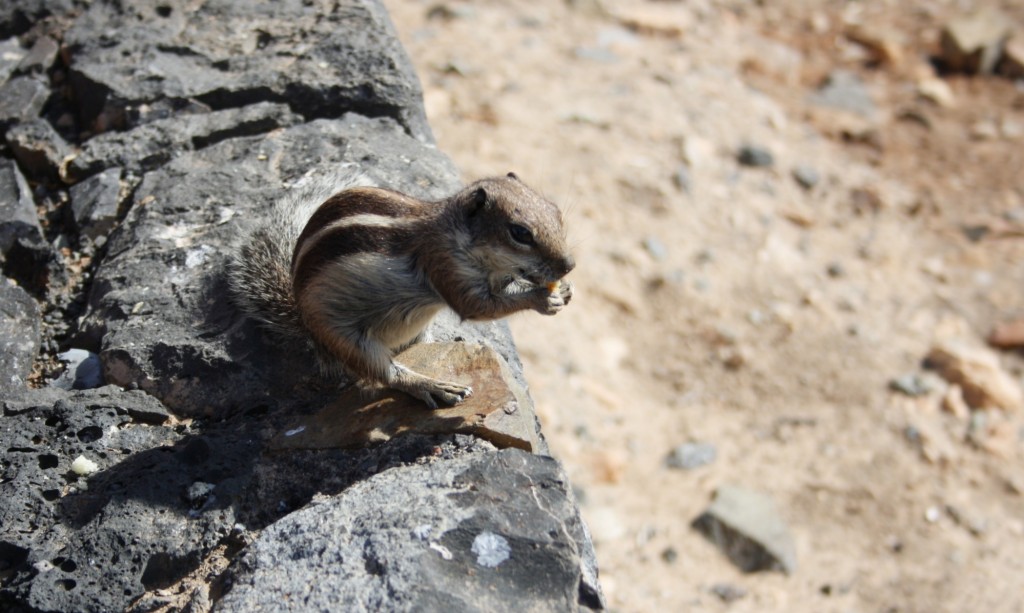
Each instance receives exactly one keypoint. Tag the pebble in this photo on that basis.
(691, 455)
(844, 90)
(755, 156)
(806, 176)
(913, 384)
(977, 371)
(655, 248)
(746, 527)
(682, 179)
(728, 592)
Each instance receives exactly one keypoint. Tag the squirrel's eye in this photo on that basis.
(520, 234)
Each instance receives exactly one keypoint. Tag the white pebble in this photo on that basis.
(84, 466)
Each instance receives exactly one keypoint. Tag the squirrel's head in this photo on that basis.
(516, 234)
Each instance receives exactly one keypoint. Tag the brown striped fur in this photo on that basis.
(371, 267)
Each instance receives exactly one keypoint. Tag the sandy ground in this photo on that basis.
(727, 304)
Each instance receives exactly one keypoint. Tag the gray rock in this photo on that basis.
(11, 54)
(691, 455)
(755, 156)
(844, 90)
(95, 203)
(323, 62)
(151, 145)
(40, 57)
(728, 592)
(82, 370)
(19, 336)
(18, 217)
(21, 99)
(683, 179)
(806, 176)
(913, 384)
(17, 17)
(422, 538)
(38, 148)
(745, 525)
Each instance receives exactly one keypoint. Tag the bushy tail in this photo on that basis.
(259, 272)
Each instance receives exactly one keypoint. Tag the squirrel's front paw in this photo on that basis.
(558, 295)
(445, 393)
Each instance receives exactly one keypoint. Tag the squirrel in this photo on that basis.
(358, 271)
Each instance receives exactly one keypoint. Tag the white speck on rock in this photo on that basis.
(490, 549)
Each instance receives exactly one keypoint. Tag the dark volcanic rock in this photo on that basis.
(323, 59)
(21, 99)
(485, 532)
(19, 336)
(151, 145)
(95, 203)
(38, 148)
(17, 210)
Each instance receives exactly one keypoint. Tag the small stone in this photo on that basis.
(11, 54)
(806, 176)
(19, 336)
(655, 248)
(199, 493)
(95, 203)
(728, 592)
(84, 466)
(82, 370)
(21, 99)
(977, 371)
(973, 43)
(670, 555)
(912, 384)
(936, 90)
(835, 270)
(932, 514)
(745, 525)
(40, 57)
(755, 157)
(691, 455)
(682, 179)
(844, 90)
(884, 45)
(18, 218)
(38, 148)
(1007, 335)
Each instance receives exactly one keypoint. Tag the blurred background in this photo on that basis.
(799, 228)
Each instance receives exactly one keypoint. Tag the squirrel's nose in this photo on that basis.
(568, 263)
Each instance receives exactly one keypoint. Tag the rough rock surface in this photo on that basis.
(134, 159)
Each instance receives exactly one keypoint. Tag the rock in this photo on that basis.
(755, 156)
(728, 592)
(885, 46)
(499, 410)
(844, 90)
(17, 17)
(11, 55)
(19, 336)
(151, 145)
(39, 149)
(1011, 65)
(82, 370)
(1007, 335)
(745, 525)
(977, 371)
(913, 384)
(974, 43)
(18, 217)
(691, 455)
(936, 90)
(125, 55)
(682, 179)
(412, 538)
(806, 176)
(95, 203)
(655, 248)
(21, 99)
(40, 57)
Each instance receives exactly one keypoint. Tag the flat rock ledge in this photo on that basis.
(211, 470)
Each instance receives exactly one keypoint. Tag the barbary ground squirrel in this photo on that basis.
(360, 271)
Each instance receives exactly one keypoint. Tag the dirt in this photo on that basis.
(730, 305)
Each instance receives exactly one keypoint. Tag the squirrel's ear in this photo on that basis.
(512, 175)
(477, 201)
